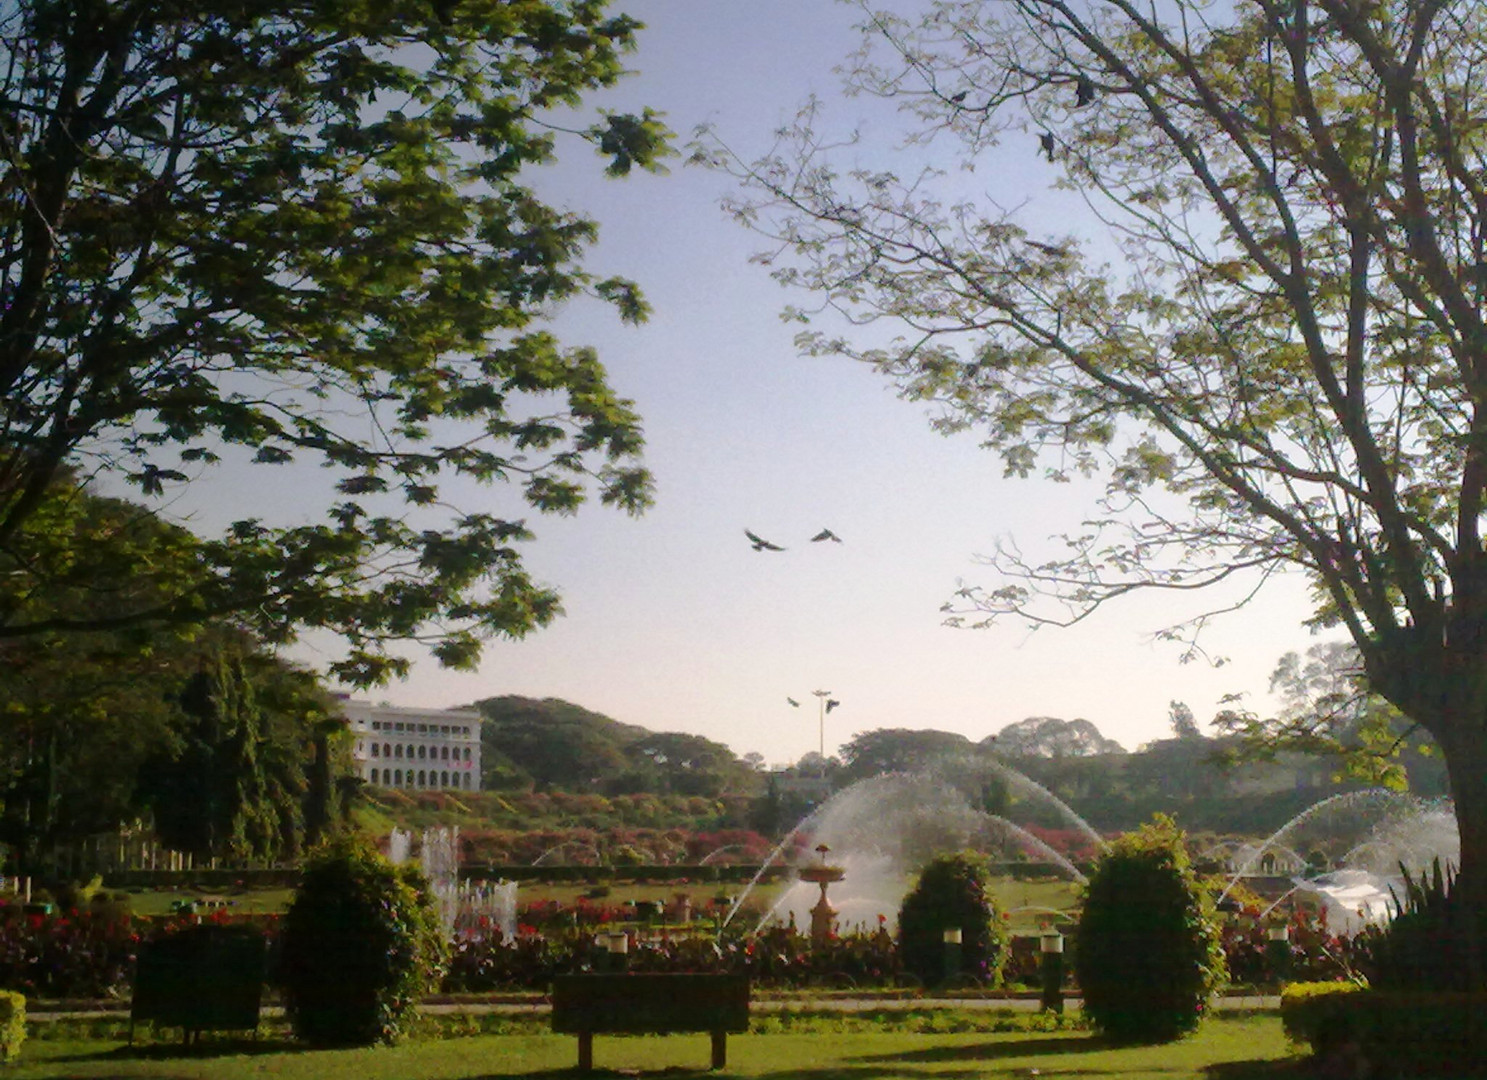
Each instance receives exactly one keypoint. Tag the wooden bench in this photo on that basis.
(204, 978)
(589, 1005)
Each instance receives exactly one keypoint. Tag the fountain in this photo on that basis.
(1350, 848)
(883, 829)
(823, 915)
(440, 858)
(466, 909)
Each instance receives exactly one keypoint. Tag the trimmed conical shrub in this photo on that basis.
(362, 942)
(952, 894)
(1149, 954)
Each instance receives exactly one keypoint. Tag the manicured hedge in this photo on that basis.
(12, 1024)
(1410, 1034)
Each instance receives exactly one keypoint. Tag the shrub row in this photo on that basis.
(1412, 1033)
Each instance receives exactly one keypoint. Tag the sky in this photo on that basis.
(672, 621)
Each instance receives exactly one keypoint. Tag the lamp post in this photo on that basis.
(1278, 949)
(952, 938)
(822, 697)
(617, 944)
(1051, 951)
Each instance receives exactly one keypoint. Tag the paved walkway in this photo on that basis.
(539, 1006)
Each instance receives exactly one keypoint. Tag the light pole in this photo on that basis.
(827, 703)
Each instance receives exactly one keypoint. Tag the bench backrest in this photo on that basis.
(649, 1004)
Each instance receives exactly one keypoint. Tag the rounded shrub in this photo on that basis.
(952, 892)
(1149, 953)
(361, 943)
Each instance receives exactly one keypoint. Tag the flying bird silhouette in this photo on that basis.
(956, 99)
(761, 544)
(825, 534)
(831, 704)
(1045, 141)
(793, 702)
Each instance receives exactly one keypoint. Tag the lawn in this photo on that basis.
(1227, 1048)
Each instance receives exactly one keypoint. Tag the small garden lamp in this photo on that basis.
(952, 938)
(617, 944)
(1051, 968)
(1278, 948)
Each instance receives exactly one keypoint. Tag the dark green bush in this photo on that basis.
(361, 943)
(12, 1024)
(1409, 1033)
(1422, 947)
(952, 892)
(1149, 956)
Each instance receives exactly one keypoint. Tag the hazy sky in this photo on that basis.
(673, 622)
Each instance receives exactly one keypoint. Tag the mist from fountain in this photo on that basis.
(1359, 844)
(882, 830)
(399, 846)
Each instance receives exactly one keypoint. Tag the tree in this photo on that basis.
(1050, 737)
(1184, 724)
(237, 780)
(1267, 338)
(1327, 711)
(888, 750)
(280, 233)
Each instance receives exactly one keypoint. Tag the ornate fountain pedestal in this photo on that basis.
(823, 915)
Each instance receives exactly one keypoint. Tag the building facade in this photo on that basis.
(415, 749)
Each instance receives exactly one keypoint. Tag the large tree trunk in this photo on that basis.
(1465, 751)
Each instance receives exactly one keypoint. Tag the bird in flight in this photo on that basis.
(831, 703)
(825, 534)
(761, 544)
(793, 702)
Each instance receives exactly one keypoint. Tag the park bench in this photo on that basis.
(203, 978)
(647, 1004)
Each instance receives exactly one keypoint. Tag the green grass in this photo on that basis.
(1227, 1048)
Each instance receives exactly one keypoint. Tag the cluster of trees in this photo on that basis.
(271, 236)
(548, 743)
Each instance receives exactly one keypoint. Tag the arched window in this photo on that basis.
(374, 774)
(443, 779)
(376, 749)
(467, 753)
(408, 780)
(422, 778)
(387, 750)
(398, 750)
(467, 781)
(397, 776)
(422, 752)
(445, 754)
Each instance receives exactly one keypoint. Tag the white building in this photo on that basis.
(415, 749)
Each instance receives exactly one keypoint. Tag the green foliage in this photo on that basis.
(1422, 948)
(12, 1024)
(1309, 1010)
(1149, 954)
(1412, 1033)
(361, 943)
(952, 891)
(300, 234)
(551, 743)
(1285, 387)
(233, 782)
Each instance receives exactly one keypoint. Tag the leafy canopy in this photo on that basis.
(277, 235)
(1266, 337)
